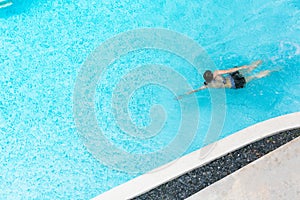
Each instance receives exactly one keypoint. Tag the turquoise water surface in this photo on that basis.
(44, 44)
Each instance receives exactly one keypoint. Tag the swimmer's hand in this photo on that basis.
(179, 97)
(197, 90)
(191, 92)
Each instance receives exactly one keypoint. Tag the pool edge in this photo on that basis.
(200, 157)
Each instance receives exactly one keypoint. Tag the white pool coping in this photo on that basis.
(274, 176)
(202, 156)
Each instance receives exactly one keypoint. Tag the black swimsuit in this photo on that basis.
(237, 80)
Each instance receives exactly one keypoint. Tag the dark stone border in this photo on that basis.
(197, 179)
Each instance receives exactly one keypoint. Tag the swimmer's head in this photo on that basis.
(208, 76)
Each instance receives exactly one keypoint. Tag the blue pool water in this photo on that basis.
(44, 45)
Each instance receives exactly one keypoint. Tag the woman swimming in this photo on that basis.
(236, 77)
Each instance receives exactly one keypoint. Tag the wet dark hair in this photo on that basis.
(208, 76)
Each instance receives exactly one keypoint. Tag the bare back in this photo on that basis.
(218, 82)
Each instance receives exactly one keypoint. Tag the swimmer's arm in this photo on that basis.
(191, 92)
(197, 90)
(227, 71)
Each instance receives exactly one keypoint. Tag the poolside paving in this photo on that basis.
(273, 176)
(194, 172)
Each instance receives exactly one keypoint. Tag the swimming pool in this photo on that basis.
(44, 45)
